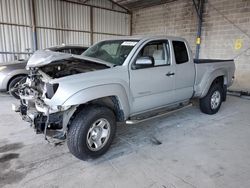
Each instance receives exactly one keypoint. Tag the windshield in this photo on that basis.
(112, 51)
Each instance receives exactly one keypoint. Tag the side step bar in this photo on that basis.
(158, 115)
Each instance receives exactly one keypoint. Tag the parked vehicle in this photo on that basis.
(130, 79)
(12, 73)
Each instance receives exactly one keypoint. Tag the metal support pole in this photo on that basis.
(198, 38)
(131, 24)
(91, 26)
(33, 21)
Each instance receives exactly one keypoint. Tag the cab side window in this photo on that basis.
(158, 51)
(180, 51)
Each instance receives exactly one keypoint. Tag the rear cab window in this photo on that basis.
(180, 51)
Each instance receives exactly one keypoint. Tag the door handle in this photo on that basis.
(170, 74)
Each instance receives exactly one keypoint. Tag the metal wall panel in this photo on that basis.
(13, 41)
(59, 14)
(15, 11)
(62, 22)
(15, 29)
(99, 37)
(50, 37)
(76, 38)
(111, 22)
(56, 22)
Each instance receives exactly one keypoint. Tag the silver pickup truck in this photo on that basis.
(124, 80)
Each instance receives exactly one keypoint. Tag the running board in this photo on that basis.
(158, 115)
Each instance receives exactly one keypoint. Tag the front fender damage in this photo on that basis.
(42, 94)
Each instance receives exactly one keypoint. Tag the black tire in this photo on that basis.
(79, 130)
(13, 83)
(205, 102)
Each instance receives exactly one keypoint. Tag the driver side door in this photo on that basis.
(152, 87)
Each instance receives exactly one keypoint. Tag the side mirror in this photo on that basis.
(144, 62)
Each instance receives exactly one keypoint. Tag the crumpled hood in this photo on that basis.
(44, 57)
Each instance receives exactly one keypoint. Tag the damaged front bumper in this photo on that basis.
(52, 121)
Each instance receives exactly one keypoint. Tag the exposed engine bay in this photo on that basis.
(32, 107)
(72, 66)
(37, 88)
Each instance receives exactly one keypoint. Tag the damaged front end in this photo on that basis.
(41, 85)
(33, 109)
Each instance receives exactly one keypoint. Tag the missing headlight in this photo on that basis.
(51, 90)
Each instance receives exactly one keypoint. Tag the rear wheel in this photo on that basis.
(91, 132)
(210, 104)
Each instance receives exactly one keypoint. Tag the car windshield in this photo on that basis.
(112, 51)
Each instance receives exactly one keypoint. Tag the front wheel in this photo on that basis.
(13, 86)
(210, 104)
(91, 132)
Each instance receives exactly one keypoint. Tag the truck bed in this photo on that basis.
(207, 69)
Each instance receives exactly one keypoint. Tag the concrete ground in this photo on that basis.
(185, 149)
